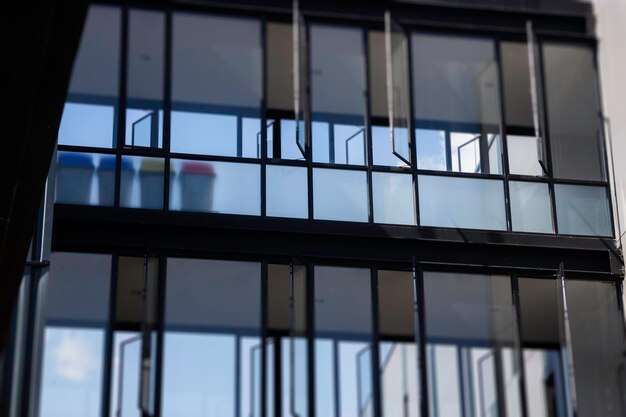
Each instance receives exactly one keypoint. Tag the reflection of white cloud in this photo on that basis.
(73, 358)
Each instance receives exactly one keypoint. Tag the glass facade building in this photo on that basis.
(296, 212)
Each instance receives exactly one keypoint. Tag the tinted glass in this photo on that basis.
(212, 330)
(84, 178)
(338, 99)
(530, 207)
(89, 115)
(340, 195)
(573, 110)
(287, 191)
(398, 354)
(517, 87)
(217, 187)
(343, 326)
(599, 362)
(216, 85)
(144, 113)
(470, 334)
(582, 210)
(393, 198)
(280, 67)
(524, 155)
(73, 318)
(461, 203)
(455, 89)
(141, 182)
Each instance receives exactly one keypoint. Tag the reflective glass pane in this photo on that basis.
(84, 178)
(382, 152)
(144, 113)
(216, 85)
(573, 108)
(598, 346)
(217, 187)
(470, 334)
(398, 372)
(582, 210)
(340, 195)
(455, 90)
(517, 85)
(281, 140)
(461, 202)
(141, 182)
(89, 117)
(524, 155)
(280, 67)
(530, 207)
(343, 325)
(393, 198)
(287, 191)
(212, 330)
(338, 99)
(73, 319)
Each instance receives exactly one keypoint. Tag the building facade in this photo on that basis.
(326, 210)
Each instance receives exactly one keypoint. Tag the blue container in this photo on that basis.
(73, 178)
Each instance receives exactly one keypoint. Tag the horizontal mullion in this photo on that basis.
(221, 158)
(581, 182)
(286, 162)
(86, 149)
(434, 173)
(386, 168)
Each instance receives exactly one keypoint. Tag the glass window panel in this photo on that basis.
(381, 148)
(217, 187)
(598, 346)
(144, 113)
(573, 110)
(530, 207)
(517, 87)
(283, 132)
(84, 178)
(141, 182)
(212, 329)
(461, 202)
(217, 73)
(89, 117)
(74, 317)
(523, 155)
(287, 191)
(398, 374)
(280, 67)
(393, 198)
(582, 210)
(470, 334)
(456, 90)
(343, 341)
(338, 99)
(340, 195)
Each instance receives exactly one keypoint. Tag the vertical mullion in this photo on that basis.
(167, 107)
(420, 326)
(263, 365)
(503, 134)
(161, 287)
(519, 344)
(308, 120)
(412, 133)
(367, 137)
(264, 94)
(375, 357)
(310, 309)
(120, 128)
(108, 339)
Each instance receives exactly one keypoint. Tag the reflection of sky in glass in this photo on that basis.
(72, 372)
(431, 149)
(142, 129)
(87, 125)
(381, 148)
(130, 373)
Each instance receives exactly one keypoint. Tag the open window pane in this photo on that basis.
(343, 332)
(216, 187)
(582, 210)
(455, 91)
(216, 85)
(89, 115)
(393, 198)
(73, 316)
(530, 207)
(338, 99)
(398, 370)
(211, 333)
(301, 77)
(398, 87)
(470, 334)
(340, 195)
(524, 157)
(287, 191)
(573, 108)
(144, 113)
(461, 203)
